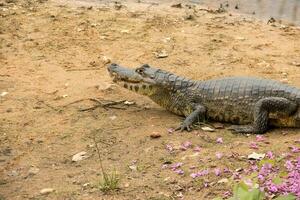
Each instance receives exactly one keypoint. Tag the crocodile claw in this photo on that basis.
(241, 129)
(183, 127)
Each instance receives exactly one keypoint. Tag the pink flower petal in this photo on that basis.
(184, 146)
(194, 175)
(169, 147)
(227, 194)
(295, 149)
(179, 171)
(289, 165)
(170, 130)
(197, 149)
(253, 145)
(270, 155)
(220, 140)
(176, 165)
(200, 173)
(219, 155)
(226, 170)
(248, 182)
(260, 138)
(217, 172)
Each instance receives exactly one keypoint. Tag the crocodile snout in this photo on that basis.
(112, 67)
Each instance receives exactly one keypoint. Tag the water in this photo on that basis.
(286, 10)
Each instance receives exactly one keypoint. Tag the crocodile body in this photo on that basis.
(252, 103)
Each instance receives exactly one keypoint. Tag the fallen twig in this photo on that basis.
(83, 69)
(104, 105)
(108, 104)
(48, 105)
(97, 106)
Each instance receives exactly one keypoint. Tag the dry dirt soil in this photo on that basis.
(53, 58)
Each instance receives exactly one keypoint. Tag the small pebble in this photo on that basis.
(46, 191)
(33, 170)
(155, 135)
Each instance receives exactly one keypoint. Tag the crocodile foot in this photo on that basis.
(183, 127)
(242, 129)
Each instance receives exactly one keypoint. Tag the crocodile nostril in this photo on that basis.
(112, 66)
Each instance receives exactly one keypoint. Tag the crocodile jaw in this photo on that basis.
(131, 80)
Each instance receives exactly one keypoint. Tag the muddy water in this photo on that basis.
(285, 10)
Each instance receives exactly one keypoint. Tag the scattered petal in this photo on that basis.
(184, 146)
(248, 182)
(260, 138)
(200, 173)
(286, 155)
(170, 148)
(170, 130)
(226, 170)
(197, 149)
(226, 194)
(295, 149)
(236, 175)
(217, 172)
(220, 140)
(270, 155)
(253, 145)
(179, 171)
(289, 165)
(219, 155)
(176, 166)
(254, 168)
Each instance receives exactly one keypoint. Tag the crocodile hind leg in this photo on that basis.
(261, 114)
(199, 112)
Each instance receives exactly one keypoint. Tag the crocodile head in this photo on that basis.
(142, 80)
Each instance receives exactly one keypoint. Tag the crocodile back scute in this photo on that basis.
(232, 99)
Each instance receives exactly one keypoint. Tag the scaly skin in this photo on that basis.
(252, 103)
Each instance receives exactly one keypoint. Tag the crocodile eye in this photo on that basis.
(139, 70)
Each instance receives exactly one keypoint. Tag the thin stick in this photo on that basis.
(103, 105)
(83, 69)
(99, 154)
(48, 105)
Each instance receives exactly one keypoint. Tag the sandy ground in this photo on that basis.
(53, 58)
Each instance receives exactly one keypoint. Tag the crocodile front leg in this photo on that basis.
(199, 112)
(261, 114)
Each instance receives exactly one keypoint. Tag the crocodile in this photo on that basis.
(250, 104)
